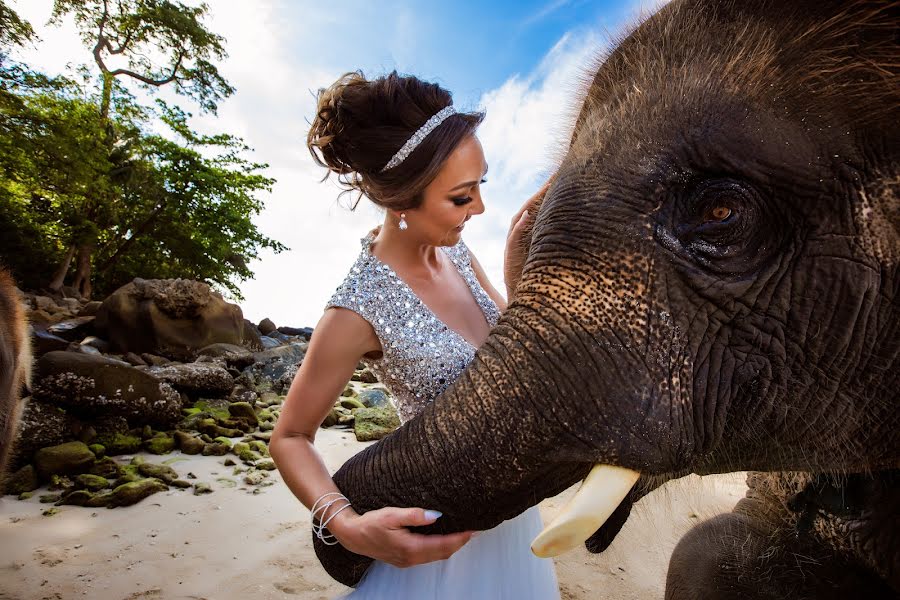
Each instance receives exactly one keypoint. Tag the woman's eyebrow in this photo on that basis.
(463, 185)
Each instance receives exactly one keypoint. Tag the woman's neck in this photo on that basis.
(405, 253)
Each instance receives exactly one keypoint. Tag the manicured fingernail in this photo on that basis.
(433, 515)
(525, 215)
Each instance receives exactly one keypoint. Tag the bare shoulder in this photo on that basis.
(343, 331)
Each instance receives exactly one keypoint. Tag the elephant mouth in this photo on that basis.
(600, 497)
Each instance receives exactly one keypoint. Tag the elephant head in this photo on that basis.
(712, 283)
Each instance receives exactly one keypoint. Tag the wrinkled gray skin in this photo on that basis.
(711, 286)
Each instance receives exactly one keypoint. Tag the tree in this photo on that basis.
(135, 30)
(14, 31)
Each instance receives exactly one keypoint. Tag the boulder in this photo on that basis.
(304, 332)
(196, 378)
(171, 317)
(42, 341)
(99, 386)
(269, 342)
(22, 481)
(42, 424)
(133, 492)
(266, 326)
(70, 458)
(73, 329)
(374, 398)
(374, 423)
(235, 356)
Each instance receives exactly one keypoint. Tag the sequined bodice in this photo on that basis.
(421, 355)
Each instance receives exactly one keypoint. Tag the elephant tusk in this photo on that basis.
(600, 493)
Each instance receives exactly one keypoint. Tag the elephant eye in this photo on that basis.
(718, 214)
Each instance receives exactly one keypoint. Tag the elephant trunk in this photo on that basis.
(483, 450)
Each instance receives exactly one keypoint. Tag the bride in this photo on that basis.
(414, 307)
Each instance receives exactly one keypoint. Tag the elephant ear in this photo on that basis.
(603, 537)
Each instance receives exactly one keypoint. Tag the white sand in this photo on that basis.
(233, 544)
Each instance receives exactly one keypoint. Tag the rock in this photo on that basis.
(43, 341)
(265, 436)
(269, 342)
(164, 473)
(135, 491)
(170, 317)
(154, 360)
(266, 464)
(90, 309)
(80, 349)
(273, 363)
(99, 386)
(235, 356)
(195, 378)
(255, 477)
(351, 403)
(374, 398)
(45, 303)
(243, 410)
(94, 342)
(65, 459)
(375, 423)
(266, 326)
(188, 443)
(161, 444)
(25, 495)
(73, 329)
(107, 468)
(42, 424)
(364, 376)
(215, 449)
(331, 419)
(251, 337)
(48, 498)
(84, 498)
(70, 304)
(181, 483)
(134, 360)
(119, 443)
(23, 480)
(202, 488)
(91, 482)
(303, 332)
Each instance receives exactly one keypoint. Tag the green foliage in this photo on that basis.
(81, 168)
(14, 31)
(142, 31)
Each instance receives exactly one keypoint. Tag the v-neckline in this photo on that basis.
(367, 246)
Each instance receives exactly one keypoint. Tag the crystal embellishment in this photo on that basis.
(415, 368)
(416, 139)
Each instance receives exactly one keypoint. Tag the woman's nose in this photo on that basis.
(477, 205)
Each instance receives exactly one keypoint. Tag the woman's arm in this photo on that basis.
(339, 340)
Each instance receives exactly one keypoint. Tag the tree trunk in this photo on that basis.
(59, 277)
(82, 283)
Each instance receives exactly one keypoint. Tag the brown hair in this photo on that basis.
(361, 124)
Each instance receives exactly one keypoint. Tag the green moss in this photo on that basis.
(119, 443)
(260, 446)
(91, 482)
(26, 495)
(50, 512)
(160, 445)
(223, 440)
(98, 449)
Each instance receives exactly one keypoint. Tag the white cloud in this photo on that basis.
(526, 124)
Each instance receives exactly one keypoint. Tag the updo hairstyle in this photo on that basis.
(360, 124)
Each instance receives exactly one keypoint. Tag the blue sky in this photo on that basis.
(520, 62)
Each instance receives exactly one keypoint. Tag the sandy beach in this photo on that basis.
(236, 544)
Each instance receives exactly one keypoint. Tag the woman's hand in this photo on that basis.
(383, 535)
(514, 255)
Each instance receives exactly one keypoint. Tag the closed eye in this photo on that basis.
(466, 199)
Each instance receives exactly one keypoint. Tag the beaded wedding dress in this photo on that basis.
(421, 358)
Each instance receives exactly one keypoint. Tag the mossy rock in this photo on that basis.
(60, 482)
(48, 498)
(92, 483)
(260, 446)
(249, 456)
(70, 458)
(188, 443)
(255, 477)
(160, 445)
(223, 440)
(164, 473)
(266, 464)
(202, 488)
(129, 474)
(50, 511)
(243, 411)
(267, 426)
(85, 498)
(107, 468)
(119, 443)
(348, 392)
(146, 432)
(135, 491)
(26, 495)
(215, 449)
(99, 450)
(239, 447)
(351, 403)
(266, 415)
(375, 423)
(330, 419)
(217, 409)
(181, 483)
(22, 481)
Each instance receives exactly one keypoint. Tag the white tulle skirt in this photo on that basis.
(494, 565)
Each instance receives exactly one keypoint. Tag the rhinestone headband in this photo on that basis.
(416, 139)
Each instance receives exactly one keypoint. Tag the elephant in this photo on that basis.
(712, 284)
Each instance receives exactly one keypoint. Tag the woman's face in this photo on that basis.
(453, 197)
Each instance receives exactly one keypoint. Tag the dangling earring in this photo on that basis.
(402, 224)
